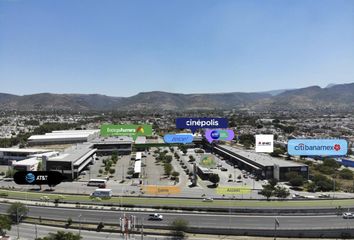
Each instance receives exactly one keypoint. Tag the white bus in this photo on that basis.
(97, 182)
(102, 193)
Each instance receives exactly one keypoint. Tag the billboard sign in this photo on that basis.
(317, 147)
(224, 190)
(195, 123)
(264, 143)
(133, 130)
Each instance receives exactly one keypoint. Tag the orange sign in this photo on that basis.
(163, 190)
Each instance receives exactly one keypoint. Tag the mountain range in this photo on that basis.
(334, 96)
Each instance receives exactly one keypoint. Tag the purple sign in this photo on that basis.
(218, 134)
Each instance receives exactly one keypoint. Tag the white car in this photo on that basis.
(155, 216)
(348, 215)
(208, 199)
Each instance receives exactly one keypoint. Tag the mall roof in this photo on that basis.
(261, 158)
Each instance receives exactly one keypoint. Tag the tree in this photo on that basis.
(273, 182)
(277, 152)
(267, 191)
(168, 158)
(179, 226)
(10, 173)
(323, 183)
(112, 170)
(175, 174)
(114, 156)
(295, 179)
(69, 221)
(191, 158)
(39, 166)
(214, 178)
(346, 174)
(61, 235)
(168, 169)
(5, 224)
(17, 210)
(281, 192)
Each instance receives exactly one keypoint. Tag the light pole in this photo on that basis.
(334, 186)
(142, 228)
(276, 224)
(35, 230)
(80, 224)
(18, 221)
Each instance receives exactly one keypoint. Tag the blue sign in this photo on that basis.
(195, 123)
(317, 147)
(178, 138)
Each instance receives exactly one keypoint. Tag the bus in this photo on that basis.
(106, 193)
(97, 182)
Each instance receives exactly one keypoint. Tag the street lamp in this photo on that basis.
(80, 224)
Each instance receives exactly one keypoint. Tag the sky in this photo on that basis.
(121, 48)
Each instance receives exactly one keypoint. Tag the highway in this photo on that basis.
(194, 219)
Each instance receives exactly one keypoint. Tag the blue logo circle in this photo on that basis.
(30, 178)
(215, 134)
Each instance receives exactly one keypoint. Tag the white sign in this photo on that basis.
(264, 143)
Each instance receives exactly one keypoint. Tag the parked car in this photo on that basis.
(155, 217)
(223, 169)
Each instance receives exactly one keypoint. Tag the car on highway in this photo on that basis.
(348, 215)
(208, 199)
(322, 195)
(155, 217)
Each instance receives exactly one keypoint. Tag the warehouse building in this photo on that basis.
(106, 146)
(64, 137)
(260, 164)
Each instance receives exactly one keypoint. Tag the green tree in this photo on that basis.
(69, 221)
(112, 170)
(295, 179)
(168, 158)
(214, 178)
(17, 210)
(277, 152)
(5, 224)
(114, 156)
(281, 192)
(179, 226)
(273, 182)
(267, 191)
(175, 174)
(346, 174)
(168, 168)
(61, 235)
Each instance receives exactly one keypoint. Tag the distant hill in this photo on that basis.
(339, 96)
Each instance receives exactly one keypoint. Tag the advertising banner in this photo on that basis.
(317, 147)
